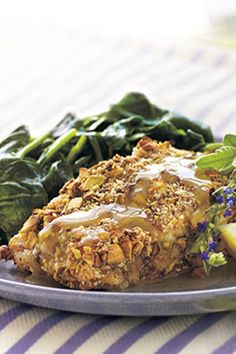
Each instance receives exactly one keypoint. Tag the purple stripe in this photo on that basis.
(11, 314)
(37, 332)
(176, 344)
(228, 347)
(83, 334)
(129, 338)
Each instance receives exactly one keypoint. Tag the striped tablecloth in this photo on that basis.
(46, 72)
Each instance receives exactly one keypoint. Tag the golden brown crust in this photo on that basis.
(106, 254)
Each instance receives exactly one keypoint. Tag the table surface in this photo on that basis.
(50, 71)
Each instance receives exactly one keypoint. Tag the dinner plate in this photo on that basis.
(178, 295)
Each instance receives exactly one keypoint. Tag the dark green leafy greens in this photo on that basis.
(16, 140)
(21, 190)
(34, 169)
(54, 175)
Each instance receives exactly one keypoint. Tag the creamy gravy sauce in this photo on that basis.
(177, 168)
(182, 168)
(131, 214)
(91, 216)
(128, 217)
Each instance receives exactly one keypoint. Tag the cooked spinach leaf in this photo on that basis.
(55, 174)
(135, 103)
(21, 190)
(16, 140)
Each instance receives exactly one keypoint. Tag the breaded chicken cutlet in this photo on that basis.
(121, 222)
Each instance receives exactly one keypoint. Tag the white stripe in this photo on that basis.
(213, 337)
(201, 84)
(213, 98)
(59, 334)
(172, 80)
(16, 329)
(108, 335)
(34, 50)
(41, 72)
(218, 115)
(10, 49)
(57, 99)
(159, 336)
(212, 101)
(6, 305)
(35, 111)
(43, 95)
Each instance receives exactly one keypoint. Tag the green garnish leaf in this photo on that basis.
(230, 140)
(212, 147)
(222, 160)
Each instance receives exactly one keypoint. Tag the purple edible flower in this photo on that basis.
(228, 190)
(212, 246)
(202, 226)
(230, 201)
(204, 255)
(219, 199)
(227, 213)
